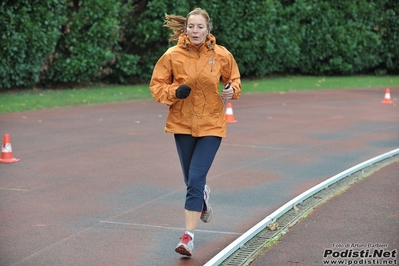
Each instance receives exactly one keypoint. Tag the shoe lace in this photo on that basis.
(185, 238)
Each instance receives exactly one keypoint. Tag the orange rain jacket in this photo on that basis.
(201, 68)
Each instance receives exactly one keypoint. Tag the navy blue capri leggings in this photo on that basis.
(196, 156)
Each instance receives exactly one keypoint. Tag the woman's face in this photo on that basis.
(197, 29)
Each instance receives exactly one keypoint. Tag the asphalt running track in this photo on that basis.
(101, 185)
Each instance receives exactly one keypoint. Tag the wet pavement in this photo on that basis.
(102, 185)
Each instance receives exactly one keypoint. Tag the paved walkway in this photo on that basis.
(358, 227)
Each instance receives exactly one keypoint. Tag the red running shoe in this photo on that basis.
(186, 245)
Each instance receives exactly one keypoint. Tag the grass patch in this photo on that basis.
(274, 240)
(299, 83)
(36, 98)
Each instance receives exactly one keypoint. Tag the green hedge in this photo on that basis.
(29, 31)
(338, 37)
(89, 47)
(58, 42)
(388, 29)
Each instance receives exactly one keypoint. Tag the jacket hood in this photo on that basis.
(184, 42)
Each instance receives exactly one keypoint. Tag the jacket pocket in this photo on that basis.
(176, 107)
(215, 105)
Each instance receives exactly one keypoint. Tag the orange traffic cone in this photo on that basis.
(6, 151)
(229, 114)
(387, 98)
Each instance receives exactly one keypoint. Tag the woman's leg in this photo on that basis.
(201, 161)
(185, 145)
(192, 219)
(196, 157)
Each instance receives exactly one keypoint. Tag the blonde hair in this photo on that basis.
(178, 23)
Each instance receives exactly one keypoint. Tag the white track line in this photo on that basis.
(168, 227)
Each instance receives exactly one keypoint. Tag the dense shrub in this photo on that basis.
(388, 29)
(29, 33)
(337, 36)
(301, 37)
(53, 42)
(86, 50)
(313, 37)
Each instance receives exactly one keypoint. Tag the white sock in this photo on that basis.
(190, 234)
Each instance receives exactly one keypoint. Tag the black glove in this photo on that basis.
(183, 91)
